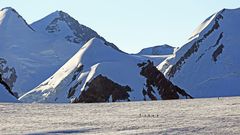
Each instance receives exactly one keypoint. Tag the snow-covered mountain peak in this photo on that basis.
(96, 51)
(84, 65)
(9, 10)
(208, 64)
(61, 25)
(10, 19)
(226, 15)
(57, 22)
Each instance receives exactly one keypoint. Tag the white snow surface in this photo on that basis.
(198, 116)
(199, 74)
(96, 58)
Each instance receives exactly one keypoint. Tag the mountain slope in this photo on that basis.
(95, 66)
(31, 56)
(28, 56)
(208, 64)
(11, 22)
(93, 58)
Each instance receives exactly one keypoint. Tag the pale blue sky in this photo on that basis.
(130, 24)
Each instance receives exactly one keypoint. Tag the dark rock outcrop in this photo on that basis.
(100, 89)
(10, 71)
(155, 78)
(217, 52)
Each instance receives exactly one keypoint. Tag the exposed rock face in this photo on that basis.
(73, 24)
(217, 52)
(9, 74)
(155, 78)
(101, 89)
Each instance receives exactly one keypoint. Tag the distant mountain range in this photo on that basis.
(57, 59)
(158, 50)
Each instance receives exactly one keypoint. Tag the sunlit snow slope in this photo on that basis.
(92, 59)
(208, 65)
(100, 68)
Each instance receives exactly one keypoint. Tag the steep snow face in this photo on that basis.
(202, 26)
(61, 25)
(11, 22)
(94, 59)
(208, 66)
(158, 50)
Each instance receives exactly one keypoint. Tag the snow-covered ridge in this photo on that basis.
(9, 17)
(92, 56)
(98, 66)
(202, 26)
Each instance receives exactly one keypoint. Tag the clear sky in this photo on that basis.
(130, 24)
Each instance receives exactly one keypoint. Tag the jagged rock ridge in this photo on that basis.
(154, 78)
